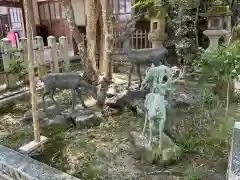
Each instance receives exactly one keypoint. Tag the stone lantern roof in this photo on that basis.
(217, 11)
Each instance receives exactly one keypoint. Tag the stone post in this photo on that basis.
(24, 55)
(40, 55)
(53, 53)
(64, 53)
(5, 56)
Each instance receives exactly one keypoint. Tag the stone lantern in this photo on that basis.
(157, 34)
(219, 25)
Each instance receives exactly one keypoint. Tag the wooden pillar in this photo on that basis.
(23, 19)
(33, 24)
(36, 12)
(36, 125)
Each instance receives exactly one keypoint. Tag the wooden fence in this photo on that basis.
(59, 60)
(139, 40)
(58, 56)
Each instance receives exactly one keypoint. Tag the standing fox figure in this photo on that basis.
(72, 81)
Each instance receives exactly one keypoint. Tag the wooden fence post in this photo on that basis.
(53, 53)
(40, 55)
(24, 55)
(64, 53)
(5, 56)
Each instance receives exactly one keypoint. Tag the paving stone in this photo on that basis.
(20, 94)
(87, 121)
(18, 167)
(234, 158)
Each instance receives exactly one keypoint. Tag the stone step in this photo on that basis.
(80, 117)
(14, 165)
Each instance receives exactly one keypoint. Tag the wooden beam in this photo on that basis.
(10, 3)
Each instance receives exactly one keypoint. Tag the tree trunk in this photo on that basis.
(107, 44)
(108, 36)
(89, 67)
(196, 23)
(69, 13)
(101, 43)
(92, 12)
(31, 70)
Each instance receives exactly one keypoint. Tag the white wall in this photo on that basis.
(3, 10)
(79, 12)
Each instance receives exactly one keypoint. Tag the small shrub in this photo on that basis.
(16, 67)
(196, 173)
(209, 98)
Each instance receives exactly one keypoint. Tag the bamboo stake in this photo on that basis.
(31, 69)
(228, 89)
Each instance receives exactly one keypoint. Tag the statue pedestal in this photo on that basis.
(171, 152)
(158, 44)
(214, 36)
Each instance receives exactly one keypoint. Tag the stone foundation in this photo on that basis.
(171, 152)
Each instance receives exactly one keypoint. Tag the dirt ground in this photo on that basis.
(104, 152)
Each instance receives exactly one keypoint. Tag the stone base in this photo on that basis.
(80, 117)
(52, 110)
(214, 36)
(87, 121)
(33, 145)
(58, 119)
(141, 150)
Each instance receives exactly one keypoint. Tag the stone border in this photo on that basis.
(234, 157)
(16, 96)
(14, 165)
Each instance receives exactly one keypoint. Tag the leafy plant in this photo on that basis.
(223, 63)
(185, 46)
(156, 8)
(151, 8)
(16, 67)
